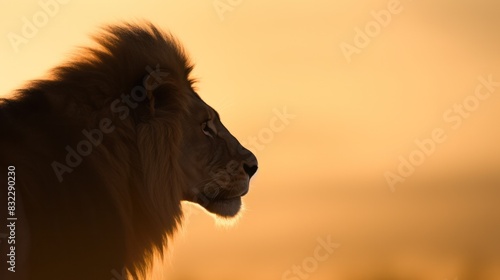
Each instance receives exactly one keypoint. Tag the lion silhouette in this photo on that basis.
(102, 152)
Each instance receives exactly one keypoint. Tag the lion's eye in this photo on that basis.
(207, 129)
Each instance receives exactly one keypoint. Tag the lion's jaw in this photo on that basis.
(225, 207)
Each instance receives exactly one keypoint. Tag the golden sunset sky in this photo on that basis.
(373, 89)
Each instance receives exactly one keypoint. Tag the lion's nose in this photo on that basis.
(250, 166)
(250, 170)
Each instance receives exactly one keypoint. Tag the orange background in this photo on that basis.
(323, 173)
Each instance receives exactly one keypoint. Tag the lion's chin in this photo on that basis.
(225, 208)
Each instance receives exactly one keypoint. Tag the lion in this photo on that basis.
(101, 153)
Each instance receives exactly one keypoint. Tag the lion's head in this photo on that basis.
(216, 168)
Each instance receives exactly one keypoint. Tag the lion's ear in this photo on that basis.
(153, 82)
